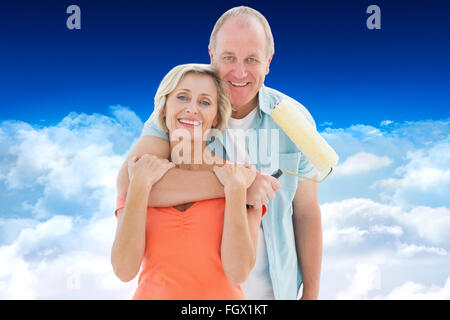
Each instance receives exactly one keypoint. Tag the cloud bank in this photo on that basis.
(385, 209)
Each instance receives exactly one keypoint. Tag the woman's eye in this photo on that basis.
(205, 103)
(182, 98)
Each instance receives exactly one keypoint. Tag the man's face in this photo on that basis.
(241, 58)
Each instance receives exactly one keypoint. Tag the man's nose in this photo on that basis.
(240, 71)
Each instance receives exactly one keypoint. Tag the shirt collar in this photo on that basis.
(263, 100)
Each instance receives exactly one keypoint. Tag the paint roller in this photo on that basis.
(294, 123)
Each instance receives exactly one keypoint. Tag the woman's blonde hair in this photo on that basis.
(171, 80)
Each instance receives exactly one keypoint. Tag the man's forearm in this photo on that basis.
(180, 186)
(308, 239)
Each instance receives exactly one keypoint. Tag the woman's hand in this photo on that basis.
(148, 168)
(231, 175)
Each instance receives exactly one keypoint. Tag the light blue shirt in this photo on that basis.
(270, 148)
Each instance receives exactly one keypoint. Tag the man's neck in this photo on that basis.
(240, 112)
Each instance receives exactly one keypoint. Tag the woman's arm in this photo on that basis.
(129, 243)
(240, 228)
(240, 235)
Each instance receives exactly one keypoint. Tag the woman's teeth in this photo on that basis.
(194, 123)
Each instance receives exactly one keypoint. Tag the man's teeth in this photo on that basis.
(239, 84)
(195, 123)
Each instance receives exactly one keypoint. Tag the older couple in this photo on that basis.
(184, 220)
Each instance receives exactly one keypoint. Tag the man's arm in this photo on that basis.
(308, 236)
(177, 186)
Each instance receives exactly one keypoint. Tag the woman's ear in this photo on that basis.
(216, 121)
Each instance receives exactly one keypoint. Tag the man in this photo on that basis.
(241, 49)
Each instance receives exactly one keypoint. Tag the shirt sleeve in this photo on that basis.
(151, 128)
(120, 204)
(305, 168)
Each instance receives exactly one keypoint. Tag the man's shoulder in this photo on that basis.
(272, 97)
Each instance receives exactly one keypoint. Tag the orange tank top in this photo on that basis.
(182, 254)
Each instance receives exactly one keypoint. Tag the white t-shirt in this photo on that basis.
(258, 286)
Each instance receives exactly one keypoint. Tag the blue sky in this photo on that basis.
(325, 56)
(74, 102)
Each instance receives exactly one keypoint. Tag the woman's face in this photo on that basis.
(192, 105)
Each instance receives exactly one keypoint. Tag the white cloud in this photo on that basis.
(59, 246)
(430, 224)
(418, 169)
(416, 291)
(395, 231)
(364, 279)
(385, 221)
(425, 175)
(388, 243)
(386, 123)
(412, 249)
(361, 163)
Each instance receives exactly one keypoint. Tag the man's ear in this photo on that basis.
(268, 64)
(211, 56)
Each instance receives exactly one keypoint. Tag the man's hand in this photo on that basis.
(262, 190)
(146, 144)
(235, 175)
(148, 168)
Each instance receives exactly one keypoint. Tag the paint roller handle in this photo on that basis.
(276, 175)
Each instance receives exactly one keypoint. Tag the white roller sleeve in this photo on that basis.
(294, 123)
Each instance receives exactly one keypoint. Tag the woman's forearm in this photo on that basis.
(129, 243)
(180, 186)
(237, 251)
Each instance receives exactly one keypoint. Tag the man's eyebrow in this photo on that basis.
(227, 53)
(251, 55)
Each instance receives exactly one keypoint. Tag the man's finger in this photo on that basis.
(276, 185)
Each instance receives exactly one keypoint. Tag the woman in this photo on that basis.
(200, 250)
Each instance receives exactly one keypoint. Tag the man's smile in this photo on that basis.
(239, 84)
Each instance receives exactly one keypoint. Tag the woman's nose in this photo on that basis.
(192, 108)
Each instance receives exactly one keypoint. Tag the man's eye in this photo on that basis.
(251, 60)
(228, 58)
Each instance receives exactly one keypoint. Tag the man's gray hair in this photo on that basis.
(240, 11)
